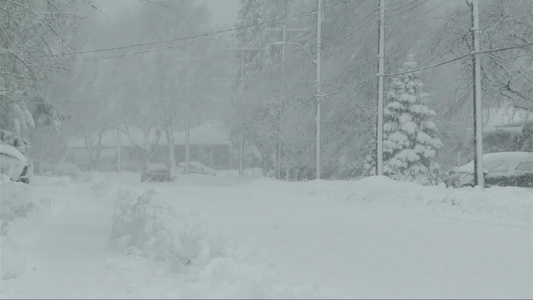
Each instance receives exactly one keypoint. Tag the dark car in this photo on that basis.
(501, 169)
(156, 172)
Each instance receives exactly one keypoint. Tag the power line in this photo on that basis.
(407, 10)
(264, 23)
(348, 38)
(350, 87)
(459, 58)
(505, 48)
(148, 51)
(429, 66)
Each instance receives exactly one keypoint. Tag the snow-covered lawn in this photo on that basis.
(229, 237)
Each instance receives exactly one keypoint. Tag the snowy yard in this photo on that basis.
(231, 237)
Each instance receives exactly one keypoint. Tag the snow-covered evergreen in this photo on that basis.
(409, 136)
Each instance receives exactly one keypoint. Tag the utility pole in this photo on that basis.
(381, 56)
(317, 91)
(119, 136)
(284, 31)
(478, 126)
(119, 111)
(187, 60)
(187, 121)
(282, 104)
(241, 78)
(241, 148)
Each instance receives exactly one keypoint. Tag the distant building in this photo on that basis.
(209, 145)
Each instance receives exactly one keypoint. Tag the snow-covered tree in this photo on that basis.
(409, 136)
(33, 37)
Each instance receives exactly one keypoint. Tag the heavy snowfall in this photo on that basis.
(266, 149)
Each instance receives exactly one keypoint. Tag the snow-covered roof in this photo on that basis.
(13, 152)
(205, 134)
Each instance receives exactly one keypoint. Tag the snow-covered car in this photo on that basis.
(156, 172)
(195, 168)
(501, 169)
(67, 169)
(14, 164)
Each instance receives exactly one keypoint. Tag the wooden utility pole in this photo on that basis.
(284, 31)
(241, 78)
(318, 96)
(187, 60)
(381, 56)
(479, 178)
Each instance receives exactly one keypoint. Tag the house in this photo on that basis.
(209, 144)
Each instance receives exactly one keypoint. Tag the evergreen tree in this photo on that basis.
(409, 136)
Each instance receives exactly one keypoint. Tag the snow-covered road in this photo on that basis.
(324, 239)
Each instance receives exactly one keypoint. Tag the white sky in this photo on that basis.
(223, 12)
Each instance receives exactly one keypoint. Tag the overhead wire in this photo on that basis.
(459, 58)
(429, 66)
(357, 27)
(218, 32)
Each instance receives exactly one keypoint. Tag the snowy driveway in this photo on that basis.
(314, 233)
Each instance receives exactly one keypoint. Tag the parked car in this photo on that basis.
(156, 172)
(501, 169)
(14, 164)
(67, 169)
(195, 168)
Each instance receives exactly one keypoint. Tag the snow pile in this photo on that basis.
(209, 264)
(4, 178)
(101, 187)
(504, 203)
(21, 211)
(15, 200)
(152, 228)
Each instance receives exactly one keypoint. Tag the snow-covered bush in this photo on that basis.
(153, 227)
(150, 227)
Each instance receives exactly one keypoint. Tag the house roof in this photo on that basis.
(205, 134)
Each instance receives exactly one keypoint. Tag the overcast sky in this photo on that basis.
(223, 12)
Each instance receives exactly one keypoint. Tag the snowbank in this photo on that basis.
(21, 212)
(212, 265)
(503, 203)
